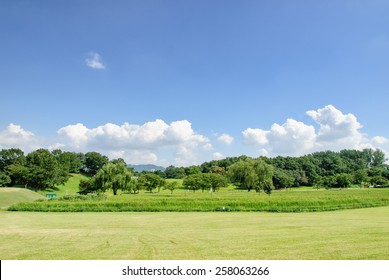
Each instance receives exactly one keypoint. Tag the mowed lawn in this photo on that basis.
(9, 196)
(348, 234)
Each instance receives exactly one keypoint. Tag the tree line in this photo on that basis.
(43, 169)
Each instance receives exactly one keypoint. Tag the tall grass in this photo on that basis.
(280, 201)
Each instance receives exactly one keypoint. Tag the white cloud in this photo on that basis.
(94, 61)
(208, 147)
(225, 139)
(379, 140)
(217, 156)
(292, 137)
(76, 134)
(137, 142)
(335, 125)
(255, 136)
(263, 152)
(14, 136)
(336, 131)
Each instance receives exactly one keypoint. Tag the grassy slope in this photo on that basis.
(9, 196)
(349, 234)
(69, 188)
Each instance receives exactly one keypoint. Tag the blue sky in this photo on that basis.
(182, 82)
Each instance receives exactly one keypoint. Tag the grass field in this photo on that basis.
(9, 196)
(348, 234)
(232, 200)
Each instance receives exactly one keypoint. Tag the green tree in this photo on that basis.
(18, 173)
(328, 182)
(218, 170)
(113, 175)
(11, 156)
(282, 179)
(70, 161)
(341, 180)
(216, 181)
(173, 172)
(134, 187)
(88, 186)
(344, 180)
(378, 158)
(41, 171)
(150, 181)
(194, 169)
(251, 174)
(5, 180)
(243, 175)
(360, 176)
(264, 173)
(379, 181)
(194, 182)
(94, 161)
(171, 186)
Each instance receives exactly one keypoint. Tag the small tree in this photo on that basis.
(343, 180)
(171, 186)
(194, 182)
(150, 181)
(379, 181)
(216, 181)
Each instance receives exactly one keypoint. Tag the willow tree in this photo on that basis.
(113, 175)
(252, 174)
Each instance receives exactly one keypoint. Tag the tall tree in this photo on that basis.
(252, 174)
(94, 161)
(41, 171)
(115, 176)
(5, 180)
(11, 156)
(243, 175)
(378, 158)
(69, 160)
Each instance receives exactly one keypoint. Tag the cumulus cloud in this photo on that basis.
(218, 156)
(94, 61)
(208, 147)
(139, 141)
(336, 131)
(14, 136)
(335, 125)
(225, 139)
(291, 136)
(379, 140)
(255, 136)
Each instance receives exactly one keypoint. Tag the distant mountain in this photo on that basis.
(146, 167)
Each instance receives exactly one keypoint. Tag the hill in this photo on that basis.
(71, 187)
(146, 167)
(9, 196)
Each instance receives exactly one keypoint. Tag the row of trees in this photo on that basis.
(321, 169)
(42, 169)
(115, 176)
